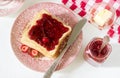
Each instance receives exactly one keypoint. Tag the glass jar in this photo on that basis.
(9, 6)
(93, 54)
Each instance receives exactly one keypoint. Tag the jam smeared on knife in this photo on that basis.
(47, 32)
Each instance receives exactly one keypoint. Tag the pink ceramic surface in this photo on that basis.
(43, 63)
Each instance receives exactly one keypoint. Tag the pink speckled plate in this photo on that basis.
(43, 63)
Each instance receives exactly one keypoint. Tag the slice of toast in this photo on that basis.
(25, 39)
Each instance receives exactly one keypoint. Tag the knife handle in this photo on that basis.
(55, 64)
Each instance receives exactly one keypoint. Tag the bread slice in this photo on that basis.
(25, 39)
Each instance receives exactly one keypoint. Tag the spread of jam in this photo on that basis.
(47, 32)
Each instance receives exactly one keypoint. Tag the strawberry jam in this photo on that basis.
(47, 31)
(93, 52)
(95, 48)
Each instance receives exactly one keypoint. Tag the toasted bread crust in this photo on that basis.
(53, 53)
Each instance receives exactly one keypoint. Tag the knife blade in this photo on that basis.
(75, 32)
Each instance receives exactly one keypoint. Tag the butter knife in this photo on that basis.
(75, 32)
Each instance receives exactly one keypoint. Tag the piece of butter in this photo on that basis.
(102, 17)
